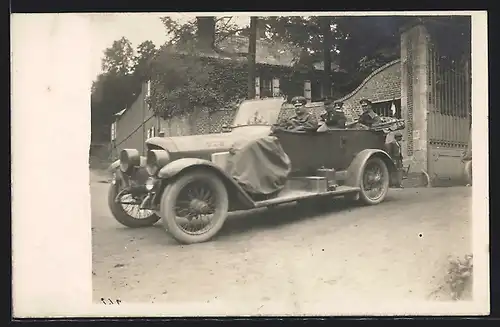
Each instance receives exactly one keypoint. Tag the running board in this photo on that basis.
(291, 196)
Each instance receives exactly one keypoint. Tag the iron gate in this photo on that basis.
(448, 119)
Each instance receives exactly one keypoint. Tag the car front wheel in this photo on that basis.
(194, 207)
(374, 181)
(127, 211)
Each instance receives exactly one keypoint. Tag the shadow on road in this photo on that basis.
(242, 222)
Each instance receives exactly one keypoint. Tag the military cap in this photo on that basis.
(299, 99)
(338, 103)
(398, 135)
(365, 101)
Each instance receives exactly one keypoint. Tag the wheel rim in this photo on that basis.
(196, 208)
(374, 181)
(132, 208)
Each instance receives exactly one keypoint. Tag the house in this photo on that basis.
(274, 64)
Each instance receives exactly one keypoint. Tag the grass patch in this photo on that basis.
(457, 283)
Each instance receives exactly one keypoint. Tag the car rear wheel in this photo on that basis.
(127, 211)
(374, 181)
(194, 207)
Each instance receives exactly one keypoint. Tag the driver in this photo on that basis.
(303, 120)
(368, 118)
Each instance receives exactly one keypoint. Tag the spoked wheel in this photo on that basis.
(127, 211)
(374, 181)
(194, 207)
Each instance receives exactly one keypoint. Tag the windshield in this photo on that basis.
(258, 112)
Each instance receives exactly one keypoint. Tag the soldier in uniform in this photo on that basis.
(334, 116)
(303, 120)
(368, 117)
(394, 150)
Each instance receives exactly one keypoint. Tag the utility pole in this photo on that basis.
(252, 50)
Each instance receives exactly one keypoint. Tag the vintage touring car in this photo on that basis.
(192, 182)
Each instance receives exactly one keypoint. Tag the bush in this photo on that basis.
(459, 275)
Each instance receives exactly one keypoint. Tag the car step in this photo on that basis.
(287, 196)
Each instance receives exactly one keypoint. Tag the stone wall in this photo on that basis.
(384, 84)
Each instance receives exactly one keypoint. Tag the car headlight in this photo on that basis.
(155, 160)
(150, 184)
(129, 158)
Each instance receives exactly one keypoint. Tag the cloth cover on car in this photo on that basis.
(260, 166)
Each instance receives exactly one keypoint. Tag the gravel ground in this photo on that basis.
(288, 257)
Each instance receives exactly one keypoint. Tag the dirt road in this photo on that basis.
(396, 250)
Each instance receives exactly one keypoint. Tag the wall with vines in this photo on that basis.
(196, 95)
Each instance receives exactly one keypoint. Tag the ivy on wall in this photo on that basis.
(182, 83)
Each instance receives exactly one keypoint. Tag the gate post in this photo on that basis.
(414, 96)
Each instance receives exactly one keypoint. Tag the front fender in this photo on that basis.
(355, 170)
(179, 166)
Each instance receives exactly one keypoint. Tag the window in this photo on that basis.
(113, 131)
(151, 132)
(266, 88)
(390, 108)
(148, 89)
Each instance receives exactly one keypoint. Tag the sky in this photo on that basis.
(137, 27)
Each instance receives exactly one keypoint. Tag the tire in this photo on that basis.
(171, 195)
(121, 215)
(364, 196)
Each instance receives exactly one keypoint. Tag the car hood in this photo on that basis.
(207, 143)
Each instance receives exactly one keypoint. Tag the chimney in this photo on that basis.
(205, 32)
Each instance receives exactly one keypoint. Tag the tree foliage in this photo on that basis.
(146, 51)
(118, 59)
(358, 43)
(186, 33)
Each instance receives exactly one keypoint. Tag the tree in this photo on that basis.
(208, 30)
(356, 44)
(116, 88)
(118, 59)
(146, 51)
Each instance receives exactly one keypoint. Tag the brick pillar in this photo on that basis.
(414, 95)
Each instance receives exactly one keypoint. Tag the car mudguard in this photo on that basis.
(183, 165)
(355, 170)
